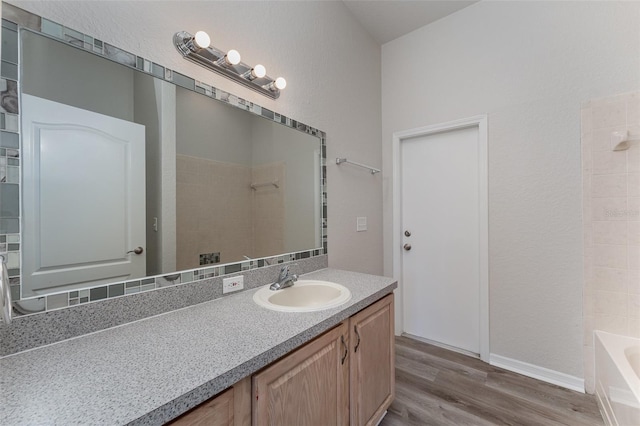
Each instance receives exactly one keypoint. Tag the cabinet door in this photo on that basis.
(218, 411)
(308, 387)
(372, 362)
(230, 408)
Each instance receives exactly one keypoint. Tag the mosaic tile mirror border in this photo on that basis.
(14, 20)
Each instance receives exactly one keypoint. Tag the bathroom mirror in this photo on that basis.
(128, 173)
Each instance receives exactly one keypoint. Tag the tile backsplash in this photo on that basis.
(31, 331)
(611, 218)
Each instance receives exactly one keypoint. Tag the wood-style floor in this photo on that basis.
(435, 386)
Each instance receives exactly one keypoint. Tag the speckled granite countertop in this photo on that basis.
(149, 371)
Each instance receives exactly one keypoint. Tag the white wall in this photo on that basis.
(529, 66)
(331, 65)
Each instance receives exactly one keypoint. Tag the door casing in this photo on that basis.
(479, 121)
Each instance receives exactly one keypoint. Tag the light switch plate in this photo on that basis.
(361, 224)
(232, 284)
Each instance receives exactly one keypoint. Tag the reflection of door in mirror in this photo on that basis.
(83, 197)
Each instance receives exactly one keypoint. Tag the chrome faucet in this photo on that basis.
(284, 280)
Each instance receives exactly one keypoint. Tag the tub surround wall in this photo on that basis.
(32, 331)
(213, 211)
(529, 66)
(230, 217)
(611, 218)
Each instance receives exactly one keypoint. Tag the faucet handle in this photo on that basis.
(284, 271)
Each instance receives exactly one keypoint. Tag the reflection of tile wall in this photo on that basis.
(10, 154)
(13, 19)
(611, 217)
(268, 210)
(213, 212)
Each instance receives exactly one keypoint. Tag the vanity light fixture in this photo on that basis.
(197, 48)
(231, 58)
(279, 84)
(259, 71)
(202, 40)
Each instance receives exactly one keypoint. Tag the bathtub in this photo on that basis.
(617, 368)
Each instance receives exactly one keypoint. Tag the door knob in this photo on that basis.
(137, 250)
(407, 247)
(407, 233)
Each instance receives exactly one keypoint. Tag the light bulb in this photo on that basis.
(202, 40)
(259, 71)
(233, 57)
(281, 83)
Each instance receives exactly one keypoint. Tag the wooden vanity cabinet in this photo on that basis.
(308, 387)
(372, 369)
(344, 377)
(229, 408)
(314, 386)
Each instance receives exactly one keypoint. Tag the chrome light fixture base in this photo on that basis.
(210, 56)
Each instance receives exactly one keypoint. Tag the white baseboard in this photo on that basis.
(537, 372)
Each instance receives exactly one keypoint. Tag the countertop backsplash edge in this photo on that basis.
(33, 331)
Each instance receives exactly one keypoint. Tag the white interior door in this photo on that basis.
(83, 197)
(440, 205)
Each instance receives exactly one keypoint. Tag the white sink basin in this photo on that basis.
(303, 296)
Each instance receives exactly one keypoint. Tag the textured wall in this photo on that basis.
(331, 65)
(529, 66)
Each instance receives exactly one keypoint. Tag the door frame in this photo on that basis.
(480, 122)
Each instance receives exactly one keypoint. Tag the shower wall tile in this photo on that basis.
(634, 327)
(633, 232)
(612, 323)
(586, 121)
(634, 282)
(633, 158)
(633, 109)
(610, 256)
(633, 184)
(609, 185)
(610, 279)
(634, 257)
(611, 222)
(634, 306)
(634, 208)
(609, 232)
(609, 113)
(607, 302)
(606, 162)
(608, 208)
(601, 138)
